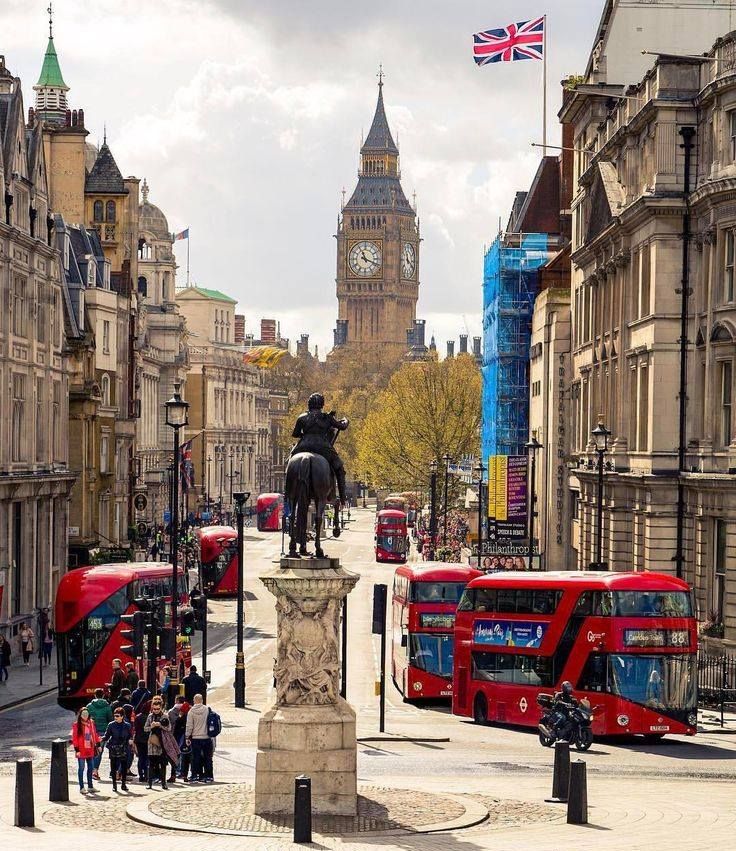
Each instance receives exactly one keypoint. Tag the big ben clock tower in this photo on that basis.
(377, 247)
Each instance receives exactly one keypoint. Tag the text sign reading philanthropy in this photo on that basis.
(437, 620)
(509, 633)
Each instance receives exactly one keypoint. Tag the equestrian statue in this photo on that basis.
(313, 467)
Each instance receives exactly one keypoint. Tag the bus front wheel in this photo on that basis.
(480, 709)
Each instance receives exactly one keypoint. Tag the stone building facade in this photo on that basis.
(377, 248)
(228, 417)
(162, 358)
(631, 216)
(34, 477)
(90, 194)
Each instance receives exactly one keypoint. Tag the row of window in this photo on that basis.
(20, 427)
(102, 212)
(510, 601)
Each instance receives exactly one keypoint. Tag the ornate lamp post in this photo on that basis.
(480, 469)
(600, 435)
(240, 498)
(232, 460)
(176, 418)
(433, 502)
(207, 492)
(365, 489)
(532, 446)
(446, 458)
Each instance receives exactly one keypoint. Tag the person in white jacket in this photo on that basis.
(201, 743)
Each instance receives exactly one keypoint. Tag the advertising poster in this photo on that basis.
(507, 498)
(503, 633)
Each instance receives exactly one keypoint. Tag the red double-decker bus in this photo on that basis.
(425, 596)
(269, 508)
(392, 542)
(626, 641)
(218, 554)
(89, 604)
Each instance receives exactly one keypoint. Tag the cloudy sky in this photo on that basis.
(245, 116)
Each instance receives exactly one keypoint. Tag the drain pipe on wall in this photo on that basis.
(687, 145)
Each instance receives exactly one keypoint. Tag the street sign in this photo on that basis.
(167, 516)
(140, 501)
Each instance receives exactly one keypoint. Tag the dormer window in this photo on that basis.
(90, 273)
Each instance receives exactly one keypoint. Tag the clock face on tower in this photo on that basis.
(408, 260)
(365, 258)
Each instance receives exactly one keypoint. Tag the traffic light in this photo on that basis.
(136, 634)
(187, 620)
(199, 604)
(167, 643)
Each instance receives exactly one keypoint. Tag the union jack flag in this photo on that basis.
(186, 466)
(524, 40)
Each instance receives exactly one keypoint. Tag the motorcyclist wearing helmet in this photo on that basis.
(564, 702)
(314, 430)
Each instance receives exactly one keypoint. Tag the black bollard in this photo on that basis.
(24, 811)
(59, 782)
(561, 774)
(302, 809)
(577, 804)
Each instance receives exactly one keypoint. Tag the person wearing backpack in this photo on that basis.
(201, 730)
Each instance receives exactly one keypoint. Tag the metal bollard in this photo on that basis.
(577, 804)
(59, 781)
(302, 809)
(561, 774)
(24, 810)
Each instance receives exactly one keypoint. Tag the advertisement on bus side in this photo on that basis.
(509, 633)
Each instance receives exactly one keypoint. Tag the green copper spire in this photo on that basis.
(51, 72)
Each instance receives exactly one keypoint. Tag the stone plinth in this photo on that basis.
(311, 729)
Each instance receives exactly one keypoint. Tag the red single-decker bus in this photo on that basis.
(626, 641)
(218, 554)
(89, 603)
(425, 596)
(392, 541)
(269, 508)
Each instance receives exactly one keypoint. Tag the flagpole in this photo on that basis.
(544, 87)
(545, 139)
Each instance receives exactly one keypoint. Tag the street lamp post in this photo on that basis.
(176, 418)
(365, 489)
(240, 498)
(222, 475)
(600, 435)
(446, 458)
(207, 485)
(433, 504)
(531, 447)
(232, 460)
(480, 469)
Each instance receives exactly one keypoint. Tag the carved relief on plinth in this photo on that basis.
(307, 661)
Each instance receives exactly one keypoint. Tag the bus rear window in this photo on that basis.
(392, 521)
(436, 592)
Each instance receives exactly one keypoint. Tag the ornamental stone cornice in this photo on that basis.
(722, 189)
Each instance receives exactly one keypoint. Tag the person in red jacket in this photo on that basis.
(85, 740)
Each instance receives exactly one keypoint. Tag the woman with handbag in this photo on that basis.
(86, 743)
(119, 738)
(25, 640)
(162, 747)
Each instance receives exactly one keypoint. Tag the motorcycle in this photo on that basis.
(573, 726)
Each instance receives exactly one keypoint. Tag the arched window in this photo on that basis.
(142, 285)
(110, 211)
(105, 389)
(97, 215)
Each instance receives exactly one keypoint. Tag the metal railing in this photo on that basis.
(716, 681)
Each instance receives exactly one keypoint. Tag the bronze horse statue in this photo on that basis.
(308, 478)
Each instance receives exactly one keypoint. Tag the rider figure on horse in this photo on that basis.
(314, 428)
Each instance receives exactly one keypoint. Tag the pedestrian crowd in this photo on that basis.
(449, 541)
(139, 729)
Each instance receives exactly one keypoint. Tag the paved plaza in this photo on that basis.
(430, 769)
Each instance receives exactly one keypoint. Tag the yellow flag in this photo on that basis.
(264, 356)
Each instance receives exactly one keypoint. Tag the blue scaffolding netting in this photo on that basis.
(510, 273)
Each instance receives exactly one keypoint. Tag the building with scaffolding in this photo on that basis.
(509, 287)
